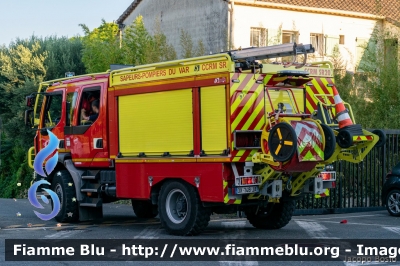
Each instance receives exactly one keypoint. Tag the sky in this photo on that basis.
(23, 18)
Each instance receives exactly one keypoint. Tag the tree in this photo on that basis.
(136, 42)
(64, 55)
(343, 79)
(188, 48)
(23, 65)
(201, 50)
(101, 47)
(373, 90)
(186, 44)
(21, 69)
(159, 49)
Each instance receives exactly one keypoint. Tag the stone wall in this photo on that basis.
(204, 20)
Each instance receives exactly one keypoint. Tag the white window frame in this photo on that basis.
(258, 36)
(293, 36)
(318, 42)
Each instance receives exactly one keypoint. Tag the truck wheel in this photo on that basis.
(64, 187)
(180, 209)
(144, 209)
(274, 216)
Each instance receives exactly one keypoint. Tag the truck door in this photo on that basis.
(85, 138)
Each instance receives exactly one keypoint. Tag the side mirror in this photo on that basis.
(68, 114)
(28, 118)
(30, 100)
(43, 131)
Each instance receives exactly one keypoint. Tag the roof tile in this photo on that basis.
(387, 8)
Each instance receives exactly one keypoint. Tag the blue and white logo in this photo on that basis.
(33, 200)
(40, 169)
(44, 153)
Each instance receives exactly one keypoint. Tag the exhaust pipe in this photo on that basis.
(110, 190)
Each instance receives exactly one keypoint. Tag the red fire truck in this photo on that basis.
(187, 138)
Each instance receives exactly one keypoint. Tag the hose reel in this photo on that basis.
(282, 142)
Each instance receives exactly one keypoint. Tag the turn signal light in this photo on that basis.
(328, 176)
(248, 180)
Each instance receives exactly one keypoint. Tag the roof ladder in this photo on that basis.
(259, 53)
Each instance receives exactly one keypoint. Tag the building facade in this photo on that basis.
(204, 20)
(229, 24)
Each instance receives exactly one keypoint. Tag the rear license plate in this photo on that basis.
(246, 190)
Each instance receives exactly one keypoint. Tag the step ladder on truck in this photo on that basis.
(187, 138)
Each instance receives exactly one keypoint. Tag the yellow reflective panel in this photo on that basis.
(278, 149)
(278, 130)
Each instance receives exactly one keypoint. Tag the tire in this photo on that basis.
(144, 209)
(274, 216)
(382, 138)
(393, 202)
(61, 185)
(180, 209)
(330, 141)
(344, 139)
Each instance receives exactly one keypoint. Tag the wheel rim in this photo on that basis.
(59, 192)
(265, 212)
(176, 206)
(394, 203)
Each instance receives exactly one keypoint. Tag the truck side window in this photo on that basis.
(71, 101)
(89, 105)
(52, 111)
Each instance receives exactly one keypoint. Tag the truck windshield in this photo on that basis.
(52, 110)
(293, 99)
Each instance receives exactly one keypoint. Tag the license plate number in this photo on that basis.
(246, 190)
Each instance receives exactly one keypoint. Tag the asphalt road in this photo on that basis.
(17, 221)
